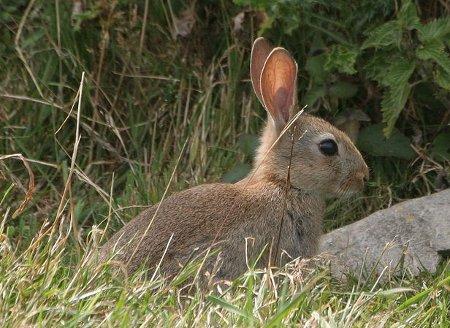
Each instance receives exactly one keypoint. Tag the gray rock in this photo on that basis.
(412, 235)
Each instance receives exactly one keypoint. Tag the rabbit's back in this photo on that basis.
(225, 215)
(190, 219)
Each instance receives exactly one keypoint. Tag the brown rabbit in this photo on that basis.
(278, 207)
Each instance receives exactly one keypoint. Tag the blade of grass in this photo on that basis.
(420, 296)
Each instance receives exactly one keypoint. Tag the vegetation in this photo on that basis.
(107, 105)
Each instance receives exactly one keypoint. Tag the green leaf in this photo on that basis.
(434, 50)
(388, 293)
(315, 66)
(291, 20)
(395, 77)
(249, 297)
(393, 102)
(343, 89)
(259, 4)
(440, 149)
(313, 95)
(11, 231)
(285, 310)
(372, 141)
(387, 34)
(408, 15)
(436, 29)
(442, 78)
(342, 59)
(421, 295)
(376, 66)
(227, 306)
(398, 73)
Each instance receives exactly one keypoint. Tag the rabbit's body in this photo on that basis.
(278, 208)
(186, 220)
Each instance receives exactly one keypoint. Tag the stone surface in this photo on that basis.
(412, 235)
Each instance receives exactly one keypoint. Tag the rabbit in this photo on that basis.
(274, 214)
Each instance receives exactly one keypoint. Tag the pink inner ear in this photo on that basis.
(278, 80)
(282, 100)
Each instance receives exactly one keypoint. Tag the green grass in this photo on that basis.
(145, 95)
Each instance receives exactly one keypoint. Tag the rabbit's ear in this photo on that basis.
(278, 85)
(260, 51)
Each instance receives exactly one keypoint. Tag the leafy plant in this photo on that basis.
(372, 140)
(388, 51)
(395, 40)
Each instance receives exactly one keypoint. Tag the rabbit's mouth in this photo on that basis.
(349, 187)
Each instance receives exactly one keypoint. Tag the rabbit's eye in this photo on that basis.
(328, 147)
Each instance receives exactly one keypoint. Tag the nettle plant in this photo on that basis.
(384, 59)
(405, 47)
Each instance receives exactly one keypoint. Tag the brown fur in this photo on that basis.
(288, 186)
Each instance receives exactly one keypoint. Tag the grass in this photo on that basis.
(99, 106)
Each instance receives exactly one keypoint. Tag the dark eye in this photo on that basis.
(328, 147)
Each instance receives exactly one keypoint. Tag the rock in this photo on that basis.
(412, 235)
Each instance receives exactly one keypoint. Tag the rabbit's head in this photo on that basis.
(320, 158)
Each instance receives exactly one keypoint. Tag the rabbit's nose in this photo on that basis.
(362, 177)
